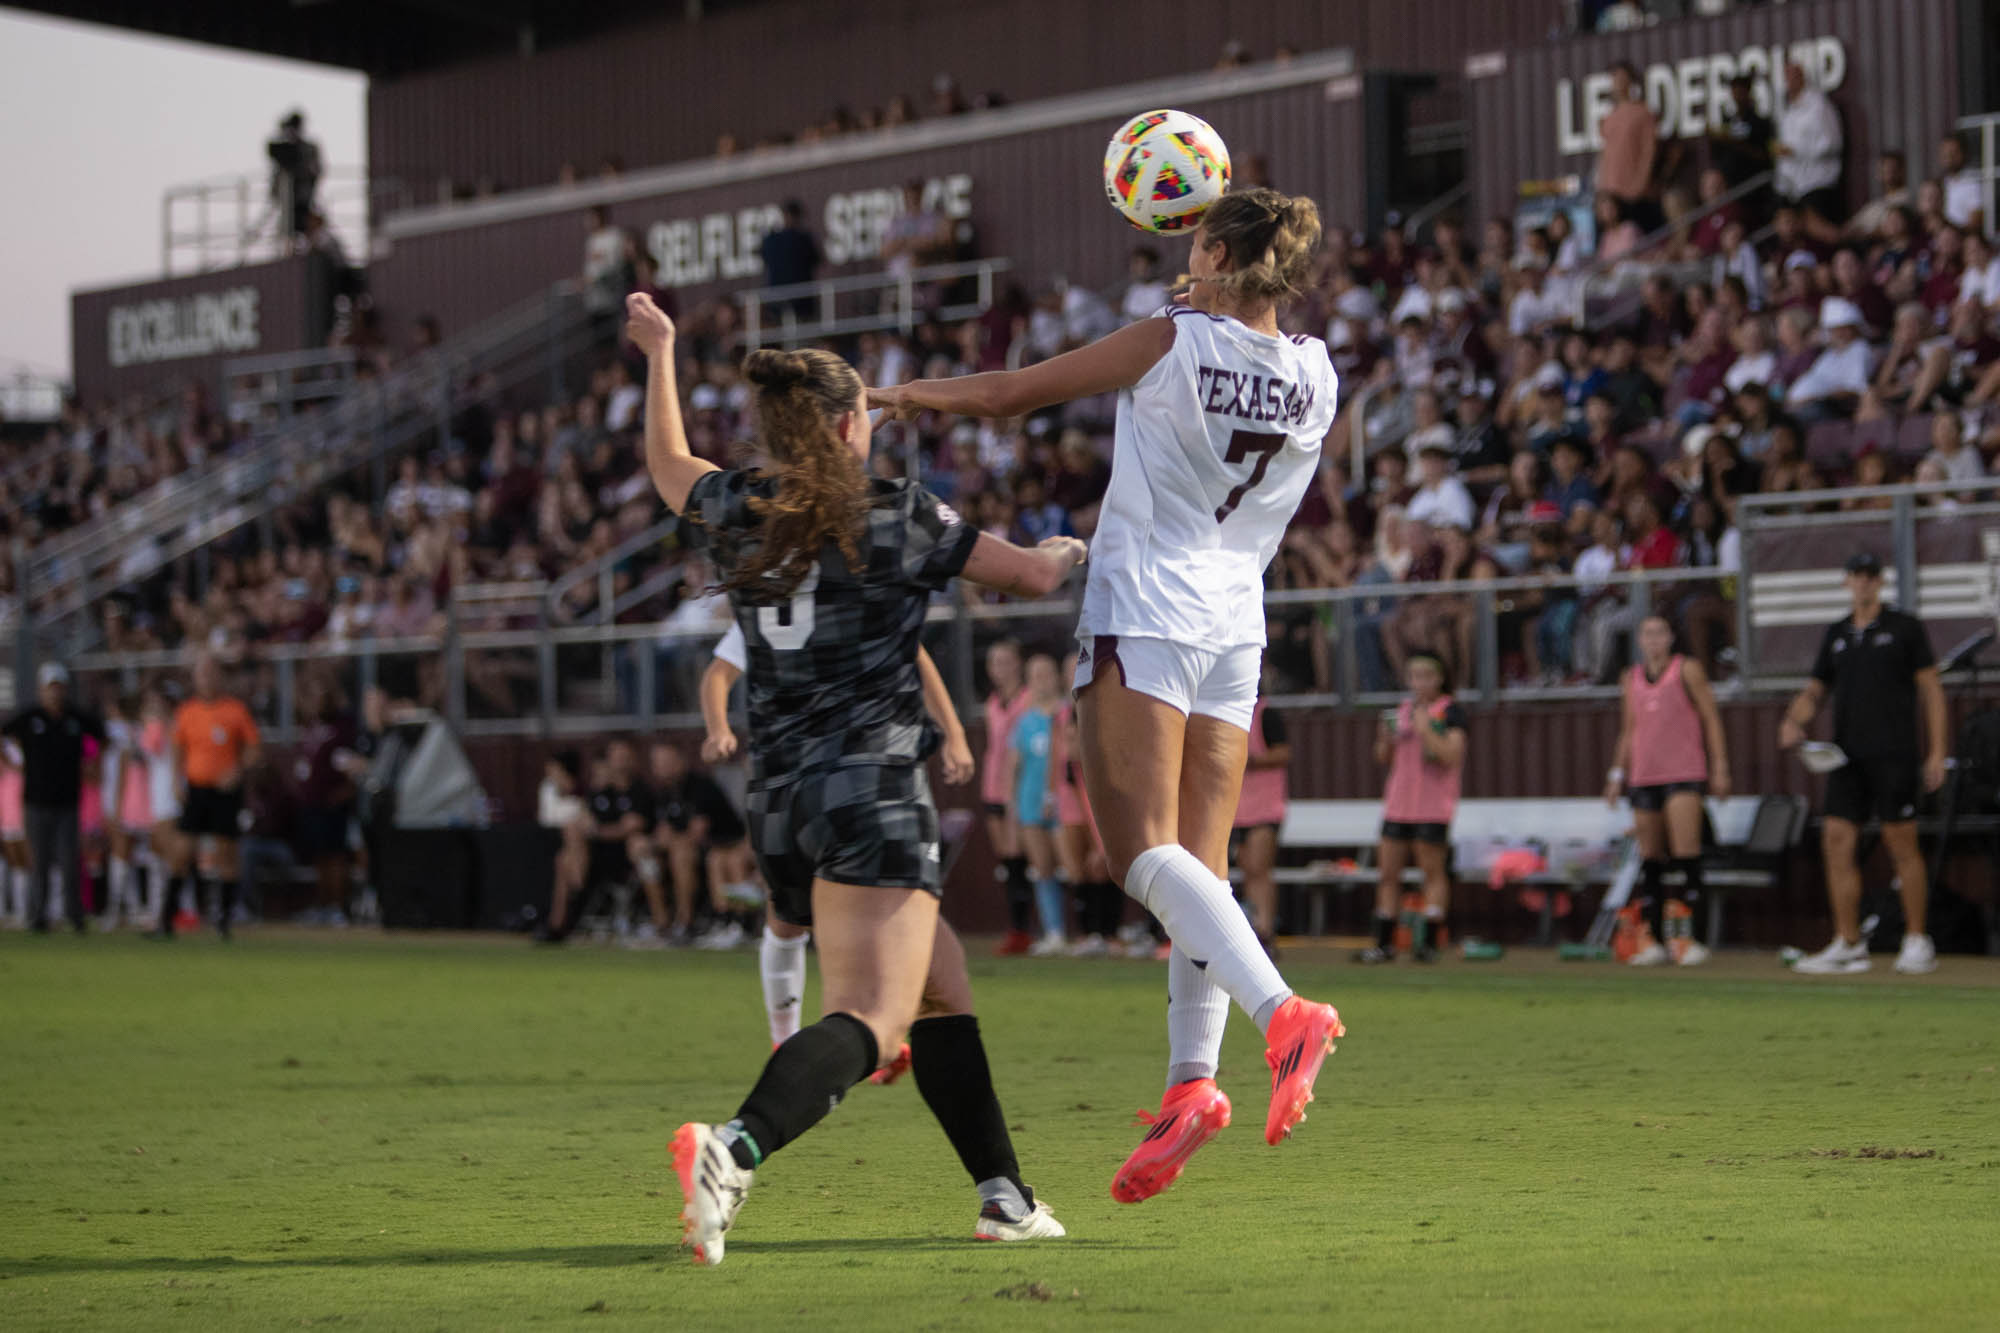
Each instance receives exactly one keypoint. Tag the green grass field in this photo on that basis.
(412, 1132)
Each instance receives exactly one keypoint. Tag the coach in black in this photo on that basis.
(51, 736)
(1878, 666)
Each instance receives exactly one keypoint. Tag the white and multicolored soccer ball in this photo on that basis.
(1163, 169)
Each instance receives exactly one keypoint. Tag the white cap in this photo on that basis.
(1696, 439)
(1801, 259)
(1415, 303)
(1550, 376)
(706, 398)
(1837, 312)
(1450, 299)
(1340, 333)
(52, 673)
(1357, 303)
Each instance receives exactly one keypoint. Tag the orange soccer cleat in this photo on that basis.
(1190, 1115)
(894, 1070)
(1298, 1041)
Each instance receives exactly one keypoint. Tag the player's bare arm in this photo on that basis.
(669, 461)
(720, 741)
(956, 754)
(1115, 361)
(1022, 572)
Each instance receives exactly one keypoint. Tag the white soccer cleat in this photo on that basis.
(1835, 959)
(713, 1187)
(728, 935)
(1039, 1224)
(1693, 954)
(1652, 955)
(1048, 946)
(1090, 946)
(1917, 956)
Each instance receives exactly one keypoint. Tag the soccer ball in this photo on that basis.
(1163, 169)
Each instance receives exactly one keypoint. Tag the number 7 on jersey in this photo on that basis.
(1241, 445)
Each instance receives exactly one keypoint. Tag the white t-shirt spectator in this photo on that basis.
(1593, 567)
(1087, 316)
(1981, 286)
(1447, 503)
(603, 263)
(1143, 300)
(1836, 370)
(1759, 369)
(1965, 465)
(621, 410)
(1964, 195)
(1810, 127)
(1743, 264)
(1532, 309)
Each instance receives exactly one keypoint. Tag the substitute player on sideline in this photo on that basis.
(830, 575)
(1424, 746)
(1671, 738)
(1877, 664)
(1220, 421)
(1004, 706)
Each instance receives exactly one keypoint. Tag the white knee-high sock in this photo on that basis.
(1203, 920)
(155, 883)
(782, 965)
(118, 890)
(1197, 1012)
(17, 892)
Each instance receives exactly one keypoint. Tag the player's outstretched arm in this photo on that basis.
(673, 467)
(1116, 361)
(1020, 572)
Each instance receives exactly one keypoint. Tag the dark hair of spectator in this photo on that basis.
(1270, 238)
(1437, 661)
(794, 211)
(1631, 70)
(822, 494)
(569, 761)
(1893, 155)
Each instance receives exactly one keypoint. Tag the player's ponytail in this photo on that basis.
(1270, 238)
(822, 492)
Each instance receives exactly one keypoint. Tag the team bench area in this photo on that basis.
(1585, 842)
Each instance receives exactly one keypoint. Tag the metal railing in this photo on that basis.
(1414, 224)
(559, 669)
(896, 305)
(272, 389)
(1987, 127)
(1617, 276)
(70, 573)
(229, 221)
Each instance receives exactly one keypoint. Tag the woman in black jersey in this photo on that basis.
(830, 574)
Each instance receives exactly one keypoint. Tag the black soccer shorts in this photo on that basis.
(870, 824)
(1886, 787)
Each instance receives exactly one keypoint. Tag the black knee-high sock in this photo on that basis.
(803, 1080)
(1385, 931)
(170, 902)
(949, 1062)
(1020, 893)
(1690, 868)
(1650, 872)
(1110, 907)
(225, 900)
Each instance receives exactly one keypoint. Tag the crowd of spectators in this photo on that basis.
(1767, 344)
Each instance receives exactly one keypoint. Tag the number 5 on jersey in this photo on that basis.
(786, 628)
(1241, 445)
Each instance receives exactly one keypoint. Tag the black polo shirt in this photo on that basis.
(1871, 671)
(608, 805)
(697, 794)
(52, 752)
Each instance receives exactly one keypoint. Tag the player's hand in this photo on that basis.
(718, 746)
(895, 404)
(647, 325)
(1933, 773)
(957, 757)
(1071, 547)
(1612, 791)
(1719, 785)
(1790, 735)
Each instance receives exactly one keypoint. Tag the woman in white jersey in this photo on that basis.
(1220, 419)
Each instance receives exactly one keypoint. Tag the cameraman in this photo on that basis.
(294, 172)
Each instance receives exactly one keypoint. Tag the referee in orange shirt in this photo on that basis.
(215, 741)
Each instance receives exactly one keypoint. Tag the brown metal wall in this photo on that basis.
(1037, 199)
(281, 318)
(662, 92)
(1900, 91)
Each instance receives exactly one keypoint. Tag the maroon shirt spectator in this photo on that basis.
(1851, 280)
(322, 784)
